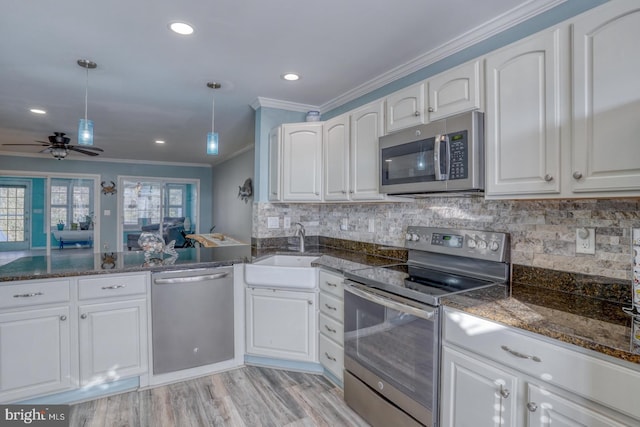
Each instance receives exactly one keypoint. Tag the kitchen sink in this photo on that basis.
(282, 271)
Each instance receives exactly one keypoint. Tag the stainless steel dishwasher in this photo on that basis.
(192, 318)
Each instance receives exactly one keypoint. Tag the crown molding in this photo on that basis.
(234, 154)
(283, 105)
(495, 26)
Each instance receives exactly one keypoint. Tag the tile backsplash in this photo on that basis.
(543, 232)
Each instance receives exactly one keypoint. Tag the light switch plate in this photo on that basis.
(287, 222)
(273, 222)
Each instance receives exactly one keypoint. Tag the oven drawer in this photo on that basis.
(573, 370)
(331, 328)
(111, 285)
(34, 293)
(331, 306)
(331, 356)
(331, 283)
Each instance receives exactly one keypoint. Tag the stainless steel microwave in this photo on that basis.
(442, 156)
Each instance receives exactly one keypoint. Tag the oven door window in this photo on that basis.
(399, 348)
(407, 163)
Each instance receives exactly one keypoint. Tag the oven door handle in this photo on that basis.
(389, 302)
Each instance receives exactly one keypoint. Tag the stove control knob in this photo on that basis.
(482, 244)
(407, 237)
(493, 245)
(471, 243)
(415, 237)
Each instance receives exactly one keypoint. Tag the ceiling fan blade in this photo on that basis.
(46, 150)
(44, 142)
(39, 145)
(88, 153)
(86, 148)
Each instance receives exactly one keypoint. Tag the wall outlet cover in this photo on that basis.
(273, 222)
(287, 222)
(586, 241)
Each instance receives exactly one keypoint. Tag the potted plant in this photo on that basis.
(60, 225)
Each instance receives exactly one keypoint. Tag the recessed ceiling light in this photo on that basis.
(181, 28)
(292, 77)
(159, 141)
(37, 111)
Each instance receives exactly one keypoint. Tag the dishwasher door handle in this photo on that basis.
(190, 279)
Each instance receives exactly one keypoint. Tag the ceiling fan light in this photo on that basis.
(59, 152)
(212, 143)
(85, 132)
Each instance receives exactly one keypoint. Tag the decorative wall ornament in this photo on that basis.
(108, 189)
(245, 191)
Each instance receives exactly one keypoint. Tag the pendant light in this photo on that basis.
(85, 126)
(212, 137)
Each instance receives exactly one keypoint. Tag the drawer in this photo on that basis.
(331, 356)
(331, 283)
(34, 293)
(111, 285)
(578, 370)
(331, 328)
(331, 306)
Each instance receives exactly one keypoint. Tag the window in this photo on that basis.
(12, 212)
(176, 199)
(71, 202)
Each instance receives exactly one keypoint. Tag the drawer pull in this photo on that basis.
(333, 331)
(328, 356)
(114, 287)
(83, 316)
(521, 355)
(333, 285)
(532, 407)
(330, 307)
(32, 294)
(63, 317)
(504, 392)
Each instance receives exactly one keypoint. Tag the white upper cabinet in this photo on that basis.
(367, 125)
(606, 99)
(405, 108)
(455, 91)
(523, 116)
(302, 162)
(336, 158)
(275, 164)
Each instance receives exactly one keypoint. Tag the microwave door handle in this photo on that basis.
(447, 156)
(441, 159)
(436, 158)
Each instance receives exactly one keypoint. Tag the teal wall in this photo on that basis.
(38, 211)
(109, 171)
(265, 121)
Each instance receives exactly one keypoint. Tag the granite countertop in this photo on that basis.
(80, 264)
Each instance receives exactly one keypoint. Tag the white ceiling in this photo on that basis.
(151, 83)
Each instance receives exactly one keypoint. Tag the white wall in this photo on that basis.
(231, 215)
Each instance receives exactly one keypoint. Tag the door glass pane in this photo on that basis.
(12, 213)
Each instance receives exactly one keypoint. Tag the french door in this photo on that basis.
(14, 216)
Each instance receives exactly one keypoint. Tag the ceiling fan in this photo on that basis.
(59, 146)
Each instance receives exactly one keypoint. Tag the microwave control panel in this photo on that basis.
(459, 155)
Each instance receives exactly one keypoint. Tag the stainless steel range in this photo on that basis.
(392, 321)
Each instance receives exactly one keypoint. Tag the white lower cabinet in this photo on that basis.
(35, 353)
(113, 340)
(282, 324)
(59, 334)
(494, 375)
(331, 322)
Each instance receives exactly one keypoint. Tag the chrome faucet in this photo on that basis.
(300, 233)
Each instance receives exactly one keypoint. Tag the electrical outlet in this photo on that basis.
(273, 222)
(586, 241)
(372, 225)
(344, 225)
(287, 222)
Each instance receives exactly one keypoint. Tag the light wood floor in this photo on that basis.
(250, 396)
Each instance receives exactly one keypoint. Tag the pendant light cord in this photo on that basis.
(213, 110)
(86, 94)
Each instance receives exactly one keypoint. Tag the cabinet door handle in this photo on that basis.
(532, 407)
(431, 110)
(577, 175)
(333, 331)
(333, 285)
(548, 178)
(63, 317)
(330, 307)
(317, 193)
(417, 114)
(29, 295)
(83, 316)
(114, 287)
(328, 356)
(521, 355)
(504, 392)
(344, 192)
(310, 302)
